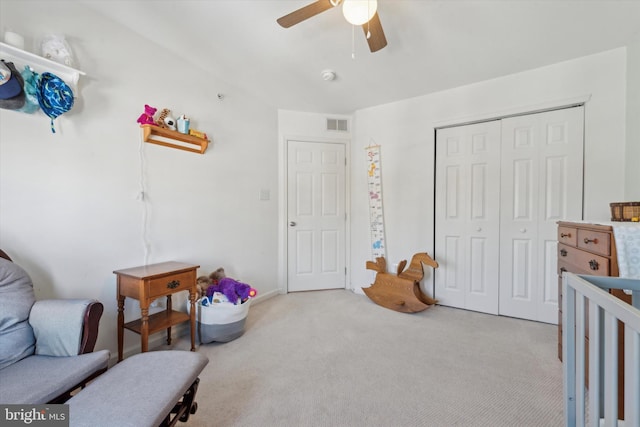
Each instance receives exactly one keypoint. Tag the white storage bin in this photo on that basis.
(220, 322)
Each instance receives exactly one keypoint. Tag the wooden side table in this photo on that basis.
(148, 282)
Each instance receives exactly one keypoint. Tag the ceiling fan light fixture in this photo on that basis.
(359, 12)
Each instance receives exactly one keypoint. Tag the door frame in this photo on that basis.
(283, 191)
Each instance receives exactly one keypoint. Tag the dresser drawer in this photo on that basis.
(171, 283)
(595, 241)
(581, 262)
(565, 266)
(568, 236)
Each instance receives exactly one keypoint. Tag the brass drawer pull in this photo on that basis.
(587, 241)
(173, 284)
(565, 235)
(563, 252)
(562, 270)
(593, 264)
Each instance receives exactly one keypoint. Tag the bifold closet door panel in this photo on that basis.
(467, 216)
(541, 184)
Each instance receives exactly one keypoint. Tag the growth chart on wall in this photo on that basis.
(374, 187)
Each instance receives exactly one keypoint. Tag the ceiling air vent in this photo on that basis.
(339, 125)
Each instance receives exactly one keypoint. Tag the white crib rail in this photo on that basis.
(604, 310)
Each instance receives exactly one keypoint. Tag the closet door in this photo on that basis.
(467, 216)
(541, 168)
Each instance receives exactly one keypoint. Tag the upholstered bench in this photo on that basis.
(144, 390)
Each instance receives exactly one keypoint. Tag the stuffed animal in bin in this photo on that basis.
(230, 288)
(203, 283)
(146, 118)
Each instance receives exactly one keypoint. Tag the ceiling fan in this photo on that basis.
(356, 12)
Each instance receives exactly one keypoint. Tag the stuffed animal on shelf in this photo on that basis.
(166, 120)
(232, 289)
(146, 118)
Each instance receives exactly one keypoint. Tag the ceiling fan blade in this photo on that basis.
(303, 13)
(376, 38)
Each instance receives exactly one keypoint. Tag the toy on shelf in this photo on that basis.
(146, 118)
(55, 48)
(166, 120)
(401, 291)
(197, 134)
(183, 124)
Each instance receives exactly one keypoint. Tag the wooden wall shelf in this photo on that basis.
(173, 139)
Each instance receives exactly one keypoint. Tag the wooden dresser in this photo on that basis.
(590, 249)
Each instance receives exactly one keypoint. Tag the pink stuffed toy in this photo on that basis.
(146, 118)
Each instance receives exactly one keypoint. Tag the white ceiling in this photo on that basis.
(432, 44)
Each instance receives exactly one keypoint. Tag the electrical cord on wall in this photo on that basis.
(143, 198)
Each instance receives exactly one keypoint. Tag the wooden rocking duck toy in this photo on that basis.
(400, 292)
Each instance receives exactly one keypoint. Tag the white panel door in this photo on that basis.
(542, 164)
(467, 216)
(316, 216)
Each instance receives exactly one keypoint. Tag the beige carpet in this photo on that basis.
(334, 358)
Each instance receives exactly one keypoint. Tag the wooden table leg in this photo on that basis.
(120, 326)
(192, 299)
(169, 309)
(144, 329)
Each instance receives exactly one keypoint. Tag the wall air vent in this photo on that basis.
(339, 125)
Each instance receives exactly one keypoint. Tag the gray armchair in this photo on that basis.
(46, 347)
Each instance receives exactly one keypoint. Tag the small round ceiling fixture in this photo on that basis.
(328, 75)
(359, 12)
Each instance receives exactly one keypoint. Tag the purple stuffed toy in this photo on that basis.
(230, 288)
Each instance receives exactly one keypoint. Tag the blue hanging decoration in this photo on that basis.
(55, 97)
(30, 78)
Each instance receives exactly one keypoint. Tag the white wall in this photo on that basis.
(405, 131)
(68, 208)
(632, 187)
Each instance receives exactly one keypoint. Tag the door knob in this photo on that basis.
(292, 223)
(523, 230)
